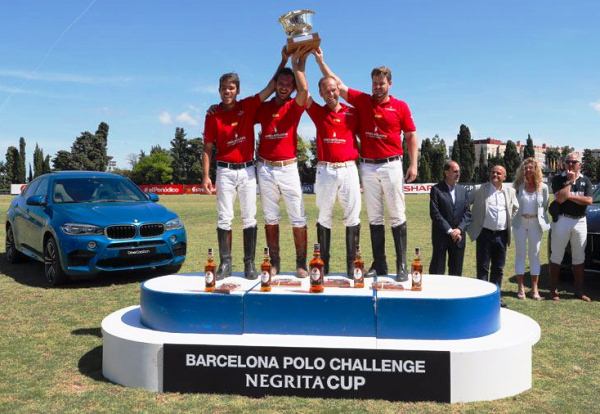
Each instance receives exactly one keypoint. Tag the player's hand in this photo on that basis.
(207, 185)
(411, 174)
(318, 54)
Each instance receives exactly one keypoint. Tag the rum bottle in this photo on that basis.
(265, 273)
(359, 270)
(209, 272)
(316, 271)
(416, 271)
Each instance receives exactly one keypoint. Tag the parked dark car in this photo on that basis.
(80, 223)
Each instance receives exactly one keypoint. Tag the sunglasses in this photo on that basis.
(571, 162)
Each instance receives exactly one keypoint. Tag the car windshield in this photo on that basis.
(95, 190)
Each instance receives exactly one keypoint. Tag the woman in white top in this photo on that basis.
(530, 223)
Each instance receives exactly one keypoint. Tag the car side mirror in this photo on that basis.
(152, 197)
(36, 200)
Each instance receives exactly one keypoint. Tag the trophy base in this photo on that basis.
(310, 41)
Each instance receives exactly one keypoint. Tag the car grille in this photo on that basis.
(141, 243)
(149, 230)
(117, 262)
(120, 232)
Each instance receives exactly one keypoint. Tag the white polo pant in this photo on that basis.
(276, 182)
(528, 239)
(384, 183)
(231, 183)
(338, 182)
(567, 230)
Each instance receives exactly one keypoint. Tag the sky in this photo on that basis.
(505, 69)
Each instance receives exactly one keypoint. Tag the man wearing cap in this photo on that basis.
(337, 173)
(383, 121)
(573, 193)
(229, 126)
(278, 165)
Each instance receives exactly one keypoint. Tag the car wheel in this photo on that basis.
(53, 271)
(12, 254)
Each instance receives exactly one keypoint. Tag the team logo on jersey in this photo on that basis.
(234, 124)
(337, 120)
(390, 108)
(378, 116)
(275, 115)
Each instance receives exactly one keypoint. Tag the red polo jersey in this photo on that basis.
(232, 131)
(335, 132)
(279, 126)
(381, 124)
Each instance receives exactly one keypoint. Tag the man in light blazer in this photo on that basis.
(494, 206)
(450, 216)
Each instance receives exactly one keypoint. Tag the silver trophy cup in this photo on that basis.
(297, 25)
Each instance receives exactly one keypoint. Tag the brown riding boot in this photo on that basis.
(300, 241)
(272, 235)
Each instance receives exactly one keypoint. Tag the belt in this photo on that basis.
(381, 160)
(529, 216)
(572, 217)
(494, 231)
(342, 164)
(235, 166)
(278, 163)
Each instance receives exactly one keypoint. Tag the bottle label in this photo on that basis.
(416, 277)
(209, 278)
(265, 277)
(315, 274)
(358, 274)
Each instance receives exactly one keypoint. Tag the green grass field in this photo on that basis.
(51, 345)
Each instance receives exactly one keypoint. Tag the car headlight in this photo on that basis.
(77, 229)
(174, 224)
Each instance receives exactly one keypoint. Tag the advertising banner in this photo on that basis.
(395, 375)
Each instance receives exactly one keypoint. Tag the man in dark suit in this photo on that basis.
(450, 215)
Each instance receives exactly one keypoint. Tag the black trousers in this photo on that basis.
(442, 247)
(491, 249)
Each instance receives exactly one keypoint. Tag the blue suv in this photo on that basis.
(80, 223)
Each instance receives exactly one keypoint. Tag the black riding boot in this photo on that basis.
(379, 266)
(352, 241)
(399, 233)
(324, 239)
(224, 238)
(249, 252)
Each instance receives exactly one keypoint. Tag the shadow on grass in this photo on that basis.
(31, 273)
(90, 365)
(565, 285)
(88, 331)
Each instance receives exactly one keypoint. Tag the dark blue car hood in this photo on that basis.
(103, 214)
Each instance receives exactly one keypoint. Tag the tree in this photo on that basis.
(46, 166)
(482, 168)
(463, 152)
(589, 164)
(12, 165)
(21, 163)
(4, 182)
(64, 161)
(424, 165)
(566, 150)
(154, 168)
(38, 161)
(529, 151)
(305, 168)
(196, 149)
(512, 160)
(30, 176)
(495, 160)
(552, 156)
(439, 155)
(100, 144)
(181, 157)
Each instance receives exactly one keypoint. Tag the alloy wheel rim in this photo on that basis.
(50, 261)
